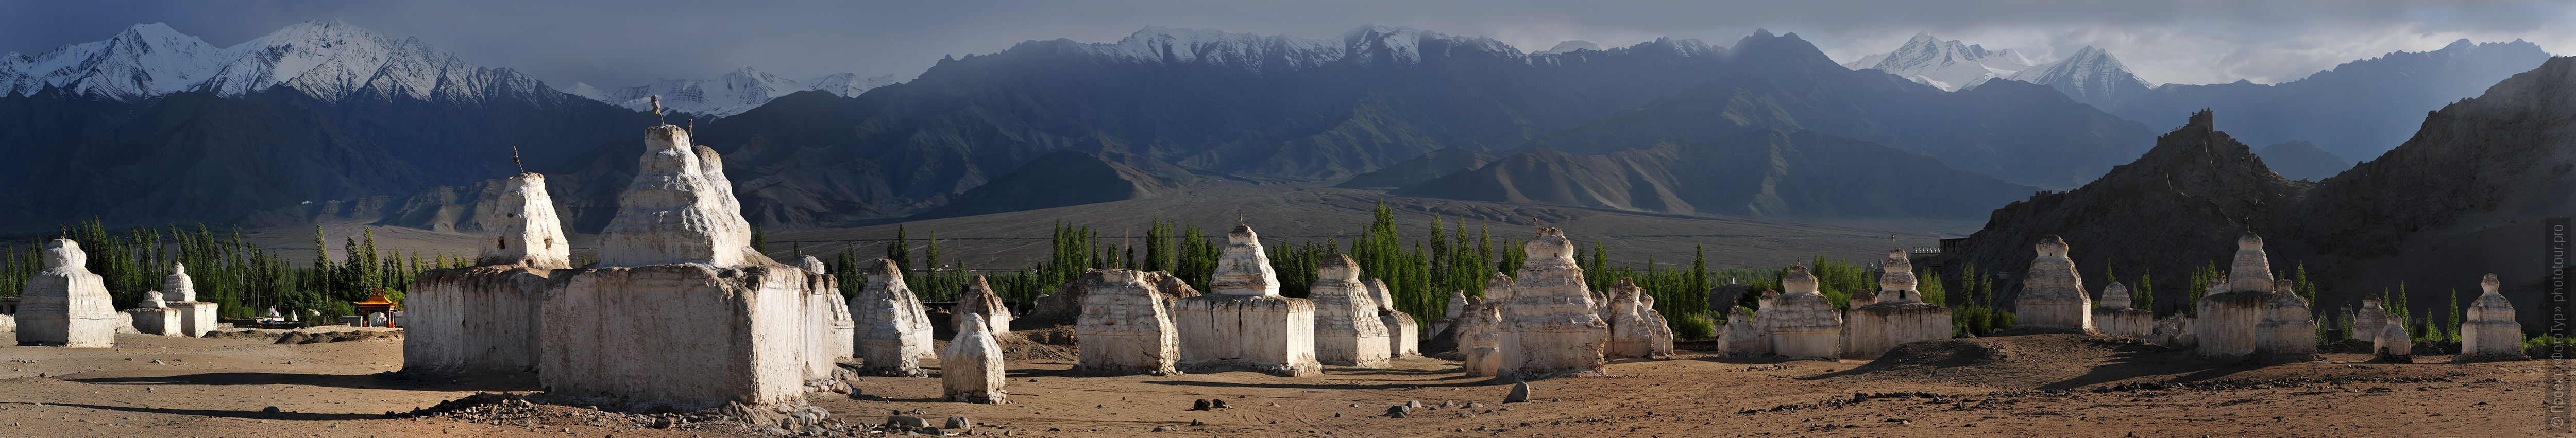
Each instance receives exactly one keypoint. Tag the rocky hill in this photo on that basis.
(2462, 198)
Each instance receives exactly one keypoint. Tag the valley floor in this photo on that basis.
(163, 386)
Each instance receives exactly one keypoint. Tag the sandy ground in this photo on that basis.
(2013, 386)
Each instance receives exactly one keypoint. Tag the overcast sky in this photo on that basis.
(632, 42)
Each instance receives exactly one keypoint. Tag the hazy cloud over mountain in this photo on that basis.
(636, 42)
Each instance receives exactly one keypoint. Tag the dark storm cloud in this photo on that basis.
(616, 43)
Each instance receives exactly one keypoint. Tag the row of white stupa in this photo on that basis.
(2248, 315)
(64, 305)
(680, 309)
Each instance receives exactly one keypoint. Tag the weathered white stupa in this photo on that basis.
(893, 334)
(1457, 306)
(1549, 326)
(2289, 330)
(2116, 318)
(970, 369)
(1896, 315)
(1803, 323)
(2230, 326)
(1743, 335)
(831, 340)
(980, 300)
(1646, 308)
(64, 305)
(1124, 326)
(2391, 343)
(2490, 333)
(1479, 326)
(2052, 296)
(1635, 329)
(1348, 331)
(1243, 323)
(490, 317)
(1403, 334)
(196, 318)
(680, 309)
(2366, 322)
(154, 316)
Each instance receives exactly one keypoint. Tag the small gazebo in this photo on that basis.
(376, 302)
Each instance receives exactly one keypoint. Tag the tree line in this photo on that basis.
(244, 279)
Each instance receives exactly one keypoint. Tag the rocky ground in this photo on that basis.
(2036, 385)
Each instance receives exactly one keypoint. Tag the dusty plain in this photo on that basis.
(2034, 385)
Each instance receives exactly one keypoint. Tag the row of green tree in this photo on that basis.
(244, 279)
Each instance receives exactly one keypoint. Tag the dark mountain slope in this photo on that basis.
(2303, 160)
(1067, 178)
(2020, 132)
(1430, 165)
(1768, 173)
(2464, 197)
(2357, 110)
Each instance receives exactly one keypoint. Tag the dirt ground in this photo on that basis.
(2037, 385)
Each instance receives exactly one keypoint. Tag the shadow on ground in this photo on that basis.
(353, 381)
(253, 415)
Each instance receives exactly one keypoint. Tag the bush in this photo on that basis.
(1694, 327)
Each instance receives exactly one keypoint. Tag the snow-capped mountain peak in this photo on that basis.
(330, 60)
(2089, 75)
(732, 93)
(144, 60)
(1948, 65)
(1569, 46)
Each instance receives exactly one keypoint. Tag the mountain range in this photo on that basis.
(2357, 110)
(322, 119)
(2459, 199)
(734, 92)
(1948, 65)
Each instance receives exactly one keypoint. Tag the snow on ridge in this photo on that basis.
(144, 60)
(733, 93)
(1950, 65)
(330, 60)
